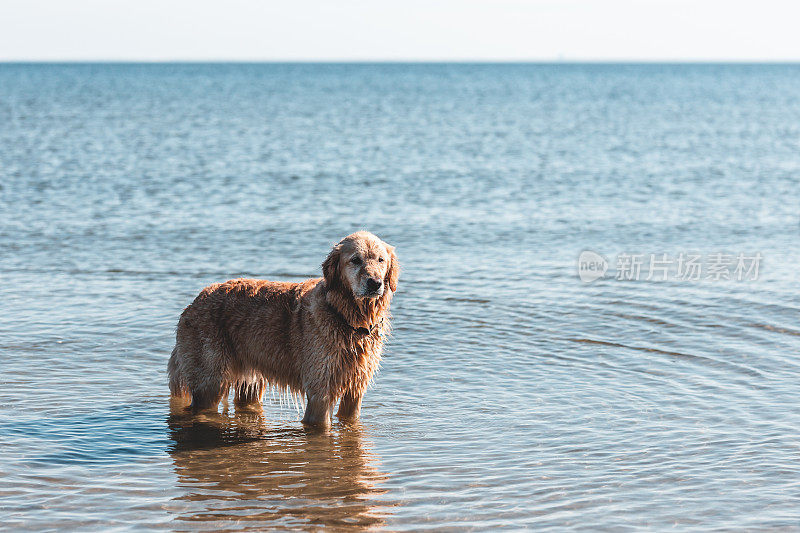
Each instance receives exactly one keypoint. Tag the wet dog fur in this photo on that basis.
(320, 339)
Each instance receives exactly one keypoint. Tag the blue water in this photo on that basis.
(512, 395)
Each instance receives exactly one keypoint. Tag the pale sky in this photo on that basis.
(342, 30)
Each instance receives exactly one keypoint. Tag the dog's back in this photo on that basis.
(237, 333)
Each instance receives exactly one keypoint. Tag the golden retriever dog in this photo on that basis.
(321, 338)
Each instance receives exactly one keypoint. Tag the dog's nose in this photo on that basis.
(373, 284)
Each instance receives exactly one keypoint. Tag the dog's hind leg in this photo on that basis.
(202, 369)
(208, 396)
(248, 393)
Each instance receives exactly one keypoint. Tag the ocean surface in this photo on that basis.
(512, 394)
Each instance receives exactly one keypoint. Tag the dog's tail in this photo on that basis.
(177, 385)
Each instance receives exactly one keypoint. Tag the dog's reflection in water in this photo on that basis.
(239, 470)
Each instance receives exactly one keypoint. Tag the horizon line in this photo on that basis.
(554, 61)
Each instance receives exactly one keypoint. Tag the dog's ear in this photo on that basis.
(394, 269)
(330, 268)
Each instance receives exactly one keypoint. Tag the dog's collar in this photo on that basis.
(360, 330)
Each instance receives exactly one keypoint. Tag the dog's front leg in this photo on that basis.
(318, 410)
(350, 406)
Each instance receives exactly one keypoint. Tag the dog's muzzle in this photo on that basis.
(374, 288)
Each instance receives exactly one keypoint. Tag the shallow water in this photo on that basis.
(512, 394)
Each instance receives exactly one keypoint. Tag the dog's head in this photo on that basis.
(364, 265)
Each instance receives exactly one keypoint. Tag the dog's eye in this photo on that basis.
(380, 260)
(356, 260)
